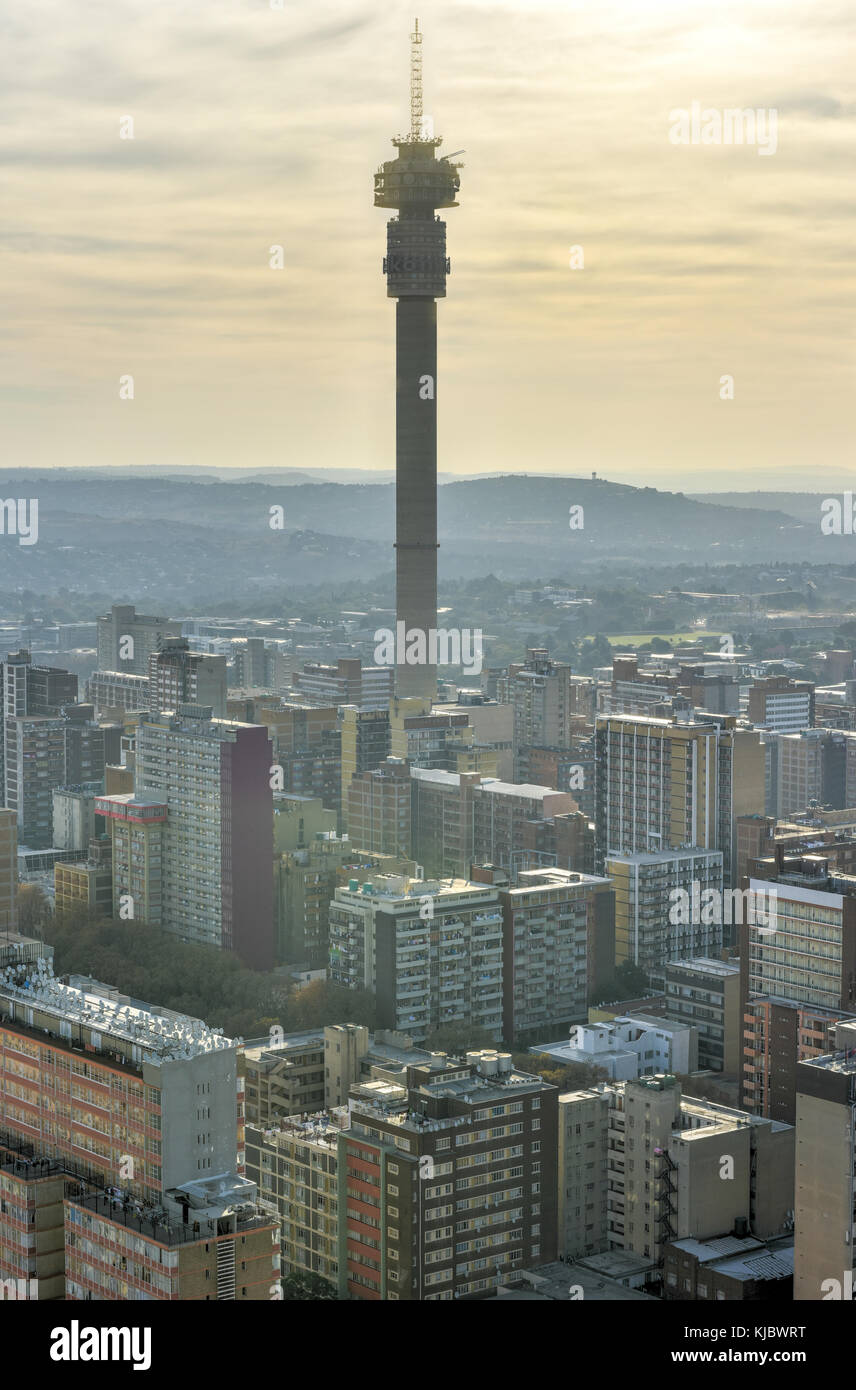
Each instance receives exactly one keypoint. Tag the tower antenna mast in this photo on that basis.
(416, 83)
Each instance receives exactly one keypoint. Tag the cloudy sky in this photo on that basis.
(256, 126)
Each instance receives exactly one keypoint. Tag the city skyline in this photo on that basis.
(150, 256)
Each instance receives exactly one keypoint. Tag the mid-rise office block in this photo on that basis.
(74, 815)
(565, 840)
(214, 776)
(425, 738)
(315, 1070)
(178, 676)
(705, 993)
(88, 884)
(781, 704)
(492, 725)
(126, 639)
(284, 1076)
(365, 743)
(346, 683)
(113, 693)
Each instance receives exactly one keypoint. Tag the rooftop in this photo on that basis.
(161, 1035)
(703, 965)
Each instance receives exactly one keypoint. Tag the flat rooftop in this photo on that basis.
(554, 1282)
(704, 965)
(160, 1034)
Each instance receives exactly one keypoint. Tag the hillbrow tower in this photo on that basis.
(416, 183)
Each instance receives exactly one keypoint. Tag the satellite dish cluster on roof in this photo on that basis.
(175, 1038)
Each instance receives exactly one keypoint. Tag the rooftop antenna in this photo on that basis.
(416, 83)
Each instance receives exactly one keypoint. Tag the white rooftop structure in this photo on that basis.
(155, 1035)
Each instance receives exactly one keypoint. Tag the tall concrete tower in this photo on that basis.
(416, 183)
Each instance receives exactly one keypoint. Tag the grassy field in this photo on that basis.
(638, 639)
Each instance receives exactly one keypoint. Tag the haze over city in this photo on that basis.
(443, 889)
(257, 127)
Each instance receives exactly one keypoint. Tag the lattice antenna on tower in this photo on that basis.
(416, 83)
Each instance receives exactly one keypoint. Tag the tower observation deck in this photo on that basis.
(416, 183)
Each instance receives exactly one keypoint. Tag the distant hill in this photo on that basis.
(182, 534)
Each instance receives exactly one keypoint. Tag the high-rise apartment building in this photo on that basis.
(296, 1169)
(777, 1035)
(810, 958)
(430, 951)
(8, 870)
(558, 947)
(447, 1184)
(141, 1097)
(641, 1165)
(544, 698)
(658, 907)
(665, 786)
(460, 819)
(214, 776)
(378, 811)
(137, 829)
(36, 752)
(795, 983)
(126, 639)
(824, 1208)
(365, 744)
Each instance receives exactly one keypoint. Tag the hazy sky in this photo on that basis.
(257, 126)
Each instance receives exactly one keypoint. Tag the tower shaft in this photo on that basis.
(416, 183)
(415, 485)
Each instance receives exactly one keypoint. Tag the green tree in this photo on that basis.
(305, 1287)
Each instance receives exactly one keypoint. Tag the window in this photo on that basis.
(392, 1167)
(393, 1191)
